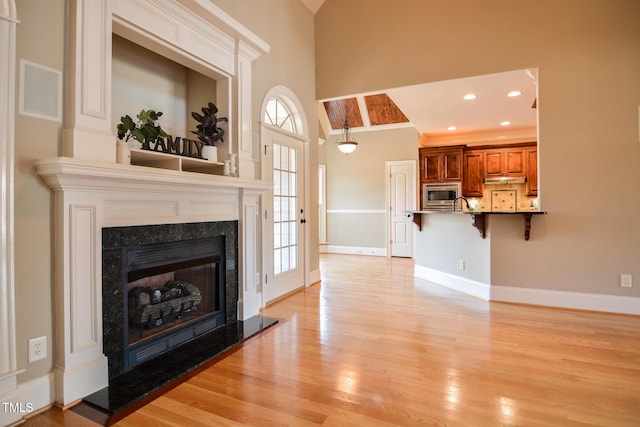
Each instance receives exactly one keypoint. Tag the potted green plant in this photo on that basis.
(144, 130)
(208, 131)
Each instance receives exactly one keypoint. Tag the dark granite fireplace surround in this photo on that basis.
(115, 240)
(130, 389)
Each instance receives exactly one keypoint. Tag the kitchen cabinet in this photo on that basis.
(501, 162)
(491, 161)
(473, 165)
(441, 164)
(531, 170)
(473, 173)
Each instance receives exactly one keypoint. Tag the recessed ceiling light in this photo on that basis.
(505, 123)
(514, 93)
(469, 96)
(452, 128)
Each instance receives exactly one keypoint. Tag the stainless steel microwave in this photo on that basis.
(439, 196)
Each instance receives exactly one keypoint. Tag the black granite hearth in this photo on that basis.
(143, 383)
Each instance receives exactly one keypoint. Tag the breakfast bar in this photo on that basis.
(478, 218)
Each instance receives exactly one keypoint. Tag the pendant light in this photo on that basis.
(347, 144)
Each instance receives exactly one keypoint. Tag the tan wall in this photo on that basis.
(145, 80)
(586, 52)
(142, 79)
(357, 182)
(39, 39)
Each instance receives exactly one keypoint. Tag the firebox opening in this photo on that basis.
(160, 299)
(174, 292)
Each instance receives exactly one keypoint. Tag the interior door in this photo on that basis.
(401, 195)
(285, 224)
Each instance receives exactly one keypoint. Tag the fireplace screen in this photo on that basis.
(174, 292)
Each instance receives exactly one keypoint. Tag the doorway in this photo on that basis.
(284, 162)
(400, 196)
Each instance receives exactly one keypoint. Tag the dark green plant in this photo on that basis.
(207, 130)
(144, 130)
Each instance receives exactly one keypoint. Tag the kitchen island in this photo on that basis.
(478, 218)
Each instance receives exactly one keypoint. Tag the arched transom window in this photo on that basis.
(278, 114)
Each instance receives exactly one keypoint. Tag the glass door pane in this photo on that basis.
(285, 206)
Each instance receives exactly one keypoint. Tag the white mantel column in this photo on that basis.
(80, 365)
(87, 133)
(245, 55)
(8, 360)
(249, 298)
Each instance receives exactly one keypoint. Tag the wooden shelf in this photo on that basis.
(478, 219)
(155, 159)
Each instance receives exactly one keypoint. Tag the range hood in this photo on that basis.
(504, 180)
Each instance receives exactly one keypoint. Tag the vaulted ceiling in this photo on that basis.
(439, 112)
(313, 5)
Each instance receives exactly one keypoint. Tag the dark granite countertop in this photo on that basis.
(477, 212)
(478, 218)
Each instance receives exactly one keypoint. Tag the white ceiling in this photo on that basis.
(433, 107)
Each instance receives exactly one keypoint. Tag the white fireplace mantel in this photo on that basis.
(89, 196)
(92, 191)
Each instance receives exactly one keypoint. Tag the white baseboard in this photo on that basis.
(314, 277)
(80, 380)
(354, 250)
(544, 297)
(249, 306)
(27, 398)
(575, 300)
(457, 283)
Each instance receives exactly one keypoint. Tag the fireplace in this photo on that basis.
(93, 193)
(164, 285)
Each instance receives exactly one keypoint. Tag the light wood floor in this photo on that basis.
(373, 346)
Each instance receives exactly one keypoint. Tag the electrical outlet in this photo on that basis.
(37, 349)
(626, 281)
(461, 264)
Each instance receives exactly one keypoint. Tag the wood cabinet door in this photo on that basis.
(440, 165)
(452, 165)
(505, 162)
(493, 163)
(473, 167)
(531, 167)
(514, 162)
(430, 167)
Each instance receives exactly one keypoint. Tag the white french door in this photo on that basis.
(285, 216)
